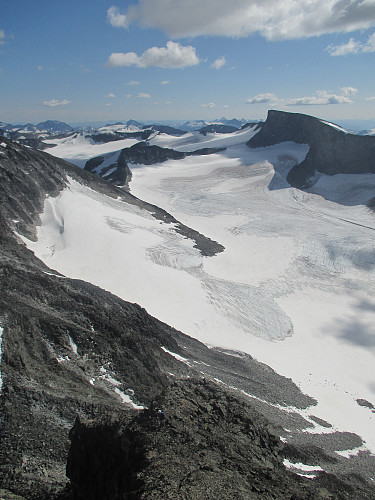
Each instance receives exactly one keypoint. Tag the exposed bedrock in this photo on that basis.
(207, 444)
(332, 150)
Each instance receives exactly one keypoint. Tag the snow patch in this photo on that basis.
(177, 356)
(353, 452)
(298, 466)
(333, 125)
(62, 359)
(73, 345)
(126, 399)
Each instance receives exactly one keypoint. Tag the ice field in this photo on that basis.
(294, 286)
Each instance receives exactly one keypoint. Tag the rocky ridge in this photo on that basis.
(119, 172)
(332, 149)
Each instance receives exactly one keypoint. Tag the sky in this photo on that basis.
(153, 60)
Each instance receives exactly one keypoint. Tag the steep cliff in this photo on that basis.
(332, 149)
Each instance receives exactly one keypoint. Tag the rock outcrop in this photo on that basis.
(206, 444)
(332, 150)
(218, 129)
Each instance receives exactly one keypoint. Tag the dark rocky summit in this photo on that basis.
(75, 356)
(332, 151)
(104, 137)
(165, 129)
(119, 173)
(54, 126)
(217, 128)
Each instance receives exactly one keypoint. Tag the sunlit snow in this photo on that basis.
(79, 148)
(294, 287)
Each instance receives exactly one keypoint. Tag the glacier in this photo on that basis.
(294, 286)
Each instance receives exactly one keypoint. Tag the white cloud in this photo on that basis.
(173, 55)
(168, 102)
(273, 19)
(56, 102)
(322, 97)
(165, 82)
(352, 47)
(219, 63)
(369, 46)
(116, 19)
(39, 68)
(348, 90)
(142, 95)
(110, 96)
(128, 96)
(370, 99)
(133, 82)
(262, 99)
(209, 105)
(2, 37)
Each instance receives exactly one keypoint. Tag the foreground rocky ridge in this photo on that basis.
(332, 150)
(208, 445)
(71, 349)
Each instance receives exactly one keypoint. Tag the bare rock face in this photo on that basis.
(332, 151)
(195, 441)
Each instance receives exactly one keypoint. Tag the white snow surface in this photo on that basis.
(79, 148)
(72, 345)
(337, 127)
(301, 466)
(294, 287)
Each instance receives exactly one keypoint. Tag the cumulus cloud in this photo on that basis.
(322, 97)
(262, 99)
(165, 82)
(370, 99)
(133, 82)
(209, 105)
(352, 47)
(273, 19)
(142, 95)
(219, 63)
(110, 96)
(349, 90)
(174, 55)
(56, 102)
(116, 19)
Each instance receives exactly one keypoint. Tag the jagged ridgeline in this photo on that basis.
(84, 375)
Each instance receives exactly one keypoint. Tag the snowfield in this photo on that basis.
(79, 148)
(294, 287)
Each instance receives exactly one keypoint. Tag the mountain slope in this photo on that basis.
(70, 348)
(332, 149)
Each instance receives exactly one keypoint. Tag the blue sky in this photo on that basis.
(184, 59)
